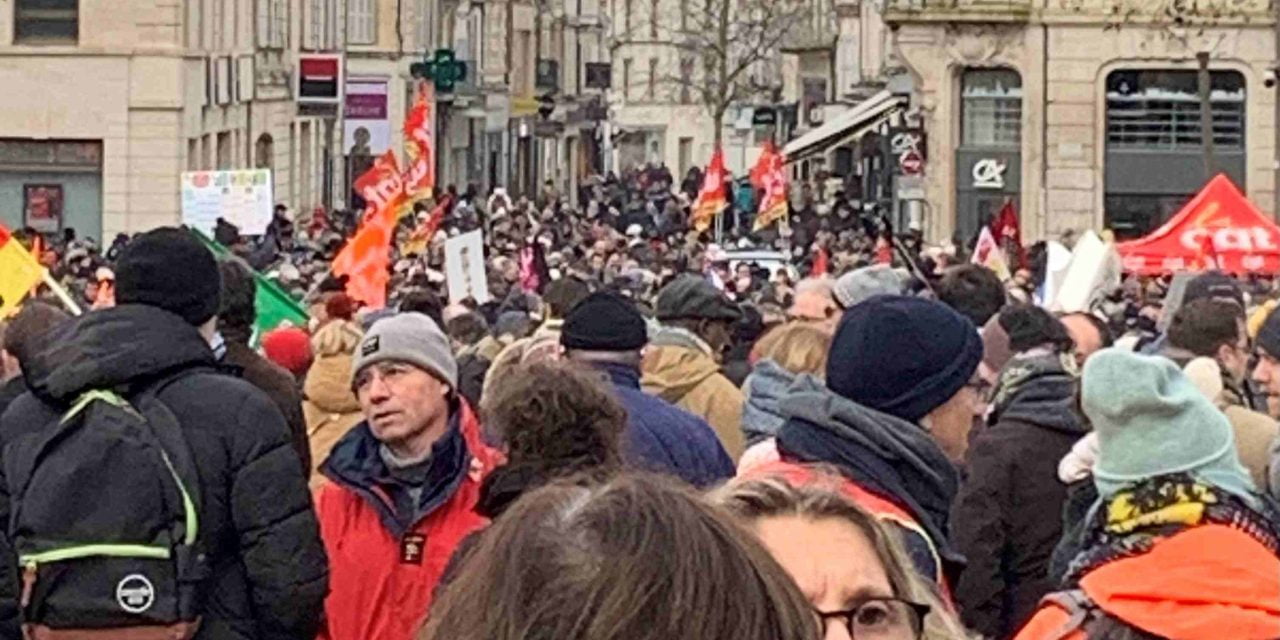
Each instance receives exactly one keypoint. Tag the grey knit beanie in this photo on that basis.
(408, 337)
(861, 284)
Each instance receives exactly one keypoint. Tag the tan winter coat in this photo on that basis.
(690, 379)
(330, 407)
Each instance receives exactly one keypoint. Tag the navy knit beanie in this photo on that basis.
(604, 322)
(902, 356)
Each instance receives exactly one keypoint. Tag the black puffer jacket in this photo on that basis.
(257, 525)
(1007, 517)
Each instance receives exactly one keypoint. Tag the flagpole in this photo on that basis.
(61, 292)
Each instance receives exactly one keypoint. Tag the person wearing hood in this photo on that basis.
(606, 333)
(269, 573)
(329, 406)
(1180, 543)
(682, 363)
(1007, 518)
(894, 416)
(235, 323)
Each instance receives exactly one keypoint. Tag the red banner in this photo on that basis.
(420, 176)
(769, 176)
(711, 199)
(364, 259)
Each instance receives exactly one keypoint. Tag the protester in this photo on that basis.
(403, 484)
(559, 299)
(257, 531)
(972, 290)
(574, 428)
(1214, 328)
(1267, 374)
(22, 336)
(851, 567)
(894, 416)
(681, 364)
(1181, 545)
(794, 349)
(1089, 333)
(606, 333)
(635, 558)
(235, 324)
(866, 282)
(1007, 517)
(329, 406)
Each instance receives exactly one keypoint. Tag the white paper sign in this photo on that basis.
(464, 268)
(1094, 270)
(242, 198)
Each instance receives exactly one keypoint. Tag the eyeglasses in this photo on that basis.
(981, 388)
(879, 619)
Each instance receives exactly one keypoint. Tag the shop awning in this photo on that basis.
(847, 126)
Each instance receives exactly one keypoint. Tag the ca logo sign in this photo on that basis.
(135, 593)
(988, 173)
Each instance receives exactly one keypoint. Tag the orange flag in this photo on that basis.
(769, 176)
(364, 259)
(711, 199)
(420, 175)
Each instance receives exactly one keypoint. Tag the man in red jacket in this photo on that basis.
(403, 483)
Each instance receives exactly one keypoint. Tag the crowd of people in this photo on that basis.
(633, 441)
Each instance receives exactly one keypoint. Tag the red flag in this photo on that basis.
(821, 263)
(420, 176)
(770, 176)
(711, 199)
(1007, 230)
(364, 259)
(421, 237)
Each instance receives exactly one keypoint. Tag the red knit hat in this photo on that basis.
(289, 347)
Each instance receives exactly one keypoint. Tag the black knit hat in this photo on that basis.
(604, 322)
(168, 268)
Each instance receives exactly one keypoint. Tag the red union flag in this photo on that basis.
(711, 199)
(365, 258)
(769, 176)
(420, 175)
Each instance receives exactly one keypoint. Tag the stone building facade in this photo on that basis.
(1084, 114)
(108, 102)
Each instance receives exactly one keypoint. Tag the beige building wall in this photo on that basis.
(1064, 56)
(136, 81)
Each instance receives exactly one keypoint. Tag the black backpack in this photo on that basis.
(104, 521)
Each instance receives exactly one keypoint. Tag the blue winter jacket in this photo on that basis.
(663, 438)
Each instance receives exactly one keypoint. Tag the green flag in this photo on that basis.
(274, 306)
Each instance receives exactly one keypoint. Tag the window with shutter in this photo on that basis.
(280, 39)
(263, 21)
(360, 22)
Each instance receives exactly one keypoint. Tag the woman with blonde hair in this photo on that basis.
(637, 558)
(855, 573)
(782, 355)
(329, 406)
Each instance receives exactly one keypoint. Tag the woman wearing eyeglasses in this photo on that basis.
(853, 571)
